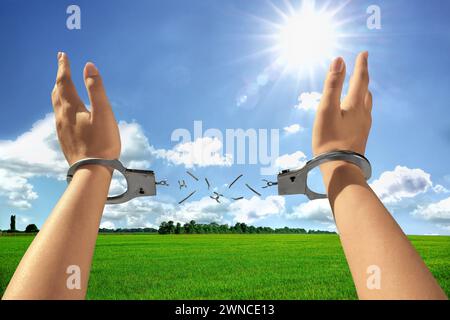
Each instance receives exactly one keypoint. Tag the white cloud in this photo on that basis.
(18, 192)
(438, 213)
(308, 101)
(149, 212)
(202, 152)
(255, 208)
(440, 189)
(36, 153)
(317, 210)
(294, 128)
(146, 212)
(136, 149)
(107, 225)
(137, 213)
(393, 186)
(291, 161)
(205, 210)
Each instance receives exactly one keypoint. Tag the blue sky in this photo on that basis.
(166, 64)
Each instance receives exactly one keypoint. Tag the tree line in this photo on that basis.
(192, 227)
(128, 230)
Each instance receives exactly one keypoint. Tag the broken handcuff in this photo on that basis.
(296, 181)
(142, 183)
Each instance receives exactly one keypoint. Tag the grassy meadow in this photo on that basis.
(223, 266)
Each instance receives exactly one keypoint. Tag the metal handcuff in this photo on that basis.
(296, 181)
(142, 183)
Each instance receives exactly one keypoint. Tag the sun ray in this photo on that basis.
(301, 41)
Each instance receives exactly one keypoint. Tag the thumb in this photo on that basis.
(96, 91)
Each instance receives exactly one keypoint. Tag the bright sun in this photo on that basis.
(298, 41)
(306, 39)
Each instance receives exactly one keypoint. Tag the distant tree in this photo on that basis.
(193, 226)
(163, 228)
(170, 227)
(224, 228)
(12, 225)
(199, 228)
(178, 228)
(31, 228)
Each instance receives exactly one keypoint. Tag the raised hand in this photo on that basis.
(83, 133)
(344, 125)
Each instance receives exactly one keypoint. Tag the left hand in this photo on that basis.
(83, 133)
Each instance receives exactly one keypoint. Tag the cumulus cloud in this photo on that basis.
(136, 149)
(205, 210)
(438, 213)
(36, 153)
(145, 212)
(203, 152)
(18, 192)
(137, 213)
(393, 186)
(149, 212)
(317, 210)
(308, 101)
(107, 225)
(255, 208)
(292, 129)
(290, 161)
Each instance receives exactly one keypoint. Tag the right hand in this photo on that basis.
(83, 133)
(343, 125)
(346, 125)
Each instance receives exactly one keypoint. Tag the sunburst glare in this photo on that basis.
(307, 38)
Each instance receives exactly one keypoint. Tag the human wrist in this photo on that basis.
(94, 170)
(343, 171)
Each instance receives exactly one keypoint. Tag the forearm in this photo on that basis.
(66, 239)
(371, 237)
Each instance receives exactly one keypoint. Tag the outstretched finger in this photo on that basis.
(96, 90)
(359, 83)
(64, 94)
(331, 98)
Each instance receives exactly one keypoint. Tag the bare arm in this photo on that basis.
(69, 234)
(371, 238)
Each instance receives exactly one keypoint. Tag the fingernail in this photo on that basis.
(365, 55)
(91, 69)
(337, 65)
(60, 54)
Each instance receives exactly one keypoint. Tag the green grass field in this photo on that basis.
(223, 266)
